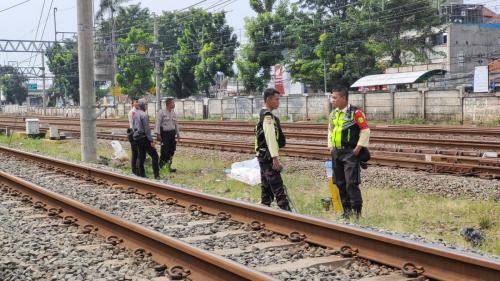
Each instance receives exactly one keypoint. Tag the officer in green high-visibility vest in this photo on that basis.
(348, 137)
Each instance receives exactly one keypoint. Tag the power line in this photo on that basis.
(191, 6)
(13, 6)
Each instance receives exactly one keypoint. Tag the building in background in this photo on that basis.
(469, 38)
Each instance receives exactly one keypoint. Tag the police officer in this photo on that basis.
(144, 140)
(348, 135)
(167, 131)
(269, 138)
(130, 135)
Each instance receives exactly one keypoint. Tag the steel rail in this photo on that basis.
(201, 264)
(438, 262)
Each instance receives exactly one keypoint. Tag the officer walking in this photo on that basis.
(144, 140)
(167, 131)
(130, 136)
(348, 137)
(269, 138)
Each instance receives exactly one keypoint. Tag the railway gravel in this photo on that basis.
(449, 186)
(172, 220)
(34, 246)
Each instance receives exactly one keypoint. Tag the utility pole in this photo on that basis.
(88, 135)
(157, 64)
(113, 45)
(324, 68)
(55, 25)
(44, 94)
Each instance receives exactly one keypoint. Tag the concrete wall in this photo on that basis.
(429, 105)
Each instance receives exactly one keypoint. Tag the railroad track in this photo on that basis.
(214, 224)
(416, 159)
(452, 130)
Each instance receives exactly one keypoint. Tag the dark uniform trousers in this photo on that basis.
(145, 147)
(272, 186)
(135, 151)
(168, 146)
(346, 171)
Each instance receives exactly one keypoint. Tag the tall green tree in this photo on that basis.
(249, 73)
(135, 70)
(13, 85)
(205, 44)
(63, 63)
(397, 28)
(267, 33)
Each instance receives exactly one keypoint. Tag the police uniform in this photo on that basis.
(269, 138)
(143, 138)
(347, 129)
(166, 127)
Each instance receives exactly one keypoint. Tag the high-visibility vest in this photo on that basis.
(345, 131)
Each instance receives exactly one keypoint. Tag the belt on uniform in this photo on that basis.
(344, 147)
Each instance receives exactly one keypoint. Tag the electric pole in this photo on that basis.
(55, 24)
(88, 135)
(157, 64)
(44, 94)
(113, 45)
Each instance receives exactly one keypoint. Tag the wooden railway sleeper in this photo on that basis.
(412, 271)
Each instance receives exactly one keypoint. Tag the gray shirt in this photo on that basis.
(141, 125)
(167, 121)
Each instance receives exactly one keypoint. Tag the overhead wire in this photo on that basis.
(13, 6)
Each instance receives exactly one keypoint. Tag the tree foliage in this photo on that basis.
(63, 63)
(205, 44)
(135, 70)
(268, 39)
(12, 84)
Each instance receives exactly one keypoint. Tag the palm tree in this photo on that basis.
(108, 5)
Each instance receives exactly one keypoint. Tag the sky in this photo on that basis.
(21, 22)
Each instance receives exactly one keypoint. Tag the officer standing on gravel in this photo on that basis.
(269, 138)
(144, 140)
(348, 137)
(167, 131)
(130, 134)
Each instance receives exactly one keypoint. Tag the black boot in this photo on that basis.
(357, 212)
(285, 207)
(169, 167)
(347, 214)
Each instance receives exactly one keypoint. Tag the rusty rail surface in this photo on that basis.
(181, 258)
(437, 262)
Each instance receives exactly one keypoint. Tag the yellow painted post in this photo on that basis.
(334, 190)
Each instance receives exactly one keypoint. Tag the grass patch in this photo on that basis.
(402, 210)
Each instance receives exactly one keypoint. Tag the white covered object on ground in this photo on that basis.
(119, 151)
(246, 171)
